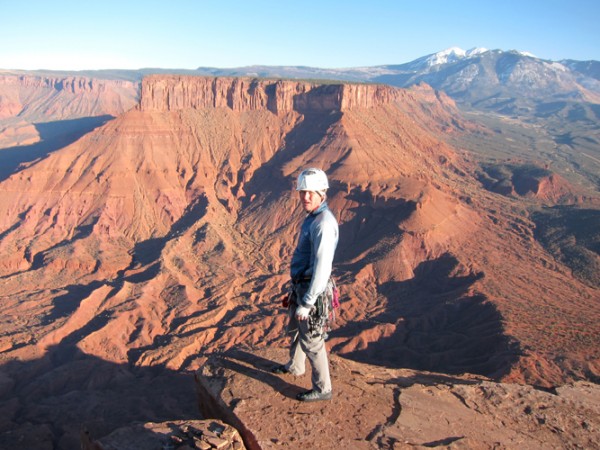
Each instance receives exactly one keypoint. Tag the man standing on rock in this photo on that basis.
(310, 273)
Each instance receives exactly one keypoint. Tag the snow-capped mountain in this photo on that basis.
(457, 71)
(509, 82)
(448, 56)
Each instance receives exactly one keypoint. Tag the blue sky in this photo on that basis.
(127, 34)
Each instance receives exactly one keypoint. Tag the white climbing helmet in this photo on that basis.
(312, 180)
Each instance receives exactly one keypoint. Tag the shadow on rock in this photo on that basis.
(259, 368)
(439, 325)
(47, 402)
(268, 180)
(54, 136)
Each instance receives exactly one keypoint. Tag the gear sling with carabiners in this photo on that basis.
(322, 313)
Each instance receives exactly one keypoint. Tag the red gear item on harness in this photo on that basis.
(335, 301)
(285, 301)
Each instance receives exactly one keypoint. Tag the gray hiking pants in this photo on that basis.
(303, 346)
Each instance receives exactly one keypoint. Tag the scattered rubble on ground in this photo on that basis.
(175, 435)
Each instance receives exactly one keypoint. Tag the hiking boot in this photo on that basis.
(280, 370)
(314, 396)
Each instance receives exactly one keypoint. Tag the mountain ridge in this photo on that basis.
(364, 73)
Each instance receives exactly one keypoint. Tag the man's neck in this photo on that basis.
(314, 211)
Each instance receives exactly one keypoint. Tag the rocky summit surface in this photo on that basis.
(377, 407)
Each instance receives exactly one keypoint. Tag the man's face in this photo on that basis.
(310, 200)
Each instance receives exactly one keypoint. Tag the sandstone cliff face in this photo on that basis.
(70, 84)
(47, 98)
(174, 93)
(28, 100)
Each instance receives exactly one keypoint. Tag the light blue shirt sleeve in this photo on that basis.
(324, 236)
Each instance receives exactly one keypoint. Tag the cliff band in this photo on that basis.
(175, 93)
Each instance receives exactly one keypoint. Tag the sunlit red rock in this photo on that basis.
(166, 233)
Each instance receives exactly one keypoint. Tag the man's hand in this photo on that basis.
(302, 312)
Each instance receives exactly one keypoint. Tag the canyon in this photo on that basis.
(161, 235)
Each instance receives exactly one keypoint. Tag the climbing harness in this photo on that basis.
(323, 313)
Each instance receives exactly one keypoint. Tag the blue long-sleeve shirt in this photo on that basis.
(313, 257)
